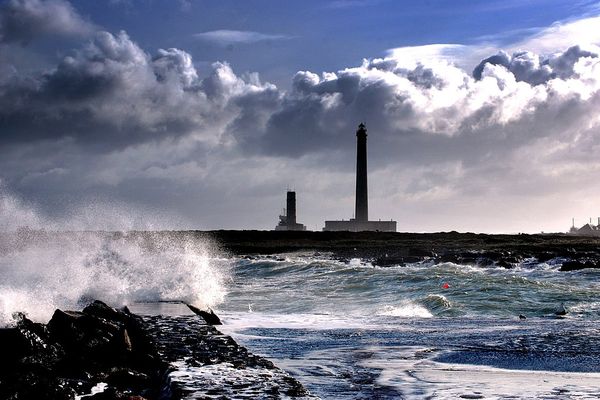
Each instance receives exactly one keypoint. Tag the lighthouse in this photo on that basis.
(361, 222)
(362, 197)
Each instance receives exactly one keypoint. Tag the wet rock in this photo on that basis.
(561, 310)
(397, 260)
(208, 316)
(133, 358)
(87, 338)
(212, 365)
(102, 310)
(29, 360)
(575, 265)
(124, 378)
(77, 350)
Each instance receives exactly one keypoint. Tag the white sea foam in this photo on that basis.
(591, 307)
(406, 310)
(235, 322)
(358, 263)
(41, 271)
(455, 381)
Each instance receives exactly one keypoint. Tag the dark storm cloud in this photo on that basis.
(111, 92)
(113, 119)
(24, 20)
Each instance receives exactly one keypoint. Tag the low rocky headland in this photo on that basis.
(573, 252)
(384, 248)
(104, 353)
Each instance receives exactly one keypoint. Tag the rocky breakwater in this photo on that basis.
(205, 364)
(103, 353)
(99, 350)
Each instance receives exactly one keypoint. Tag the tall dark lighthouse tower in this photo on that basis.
(361, 222)
(362, 197)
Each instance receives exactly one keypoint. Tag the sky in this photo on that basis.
(482, 116)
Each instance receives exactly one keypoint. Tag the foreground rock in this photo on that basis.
(103, 353)
(75, 352)
(209, 365)
(208, 316)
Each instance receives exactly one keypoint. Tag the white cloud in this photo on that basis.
(544, 41)
(410, 56)
(561, 35)
(226, 37)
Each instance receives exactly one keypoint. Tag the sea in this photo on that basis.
(352, 330)
(346, 329)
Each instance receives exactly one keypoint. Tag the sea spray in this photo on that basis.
(85, 214)
(45, 271)
(47, 263)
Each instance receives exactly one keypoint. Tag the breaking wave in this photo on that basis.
(406, 310)
(42, 271)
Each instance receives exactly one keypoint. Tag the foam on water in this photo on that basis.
(306, 284)
(236, 322)
(430, 379)
(406, 310)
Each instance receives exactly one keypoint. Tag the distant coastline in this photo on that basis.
(386, 248)
(381, 248)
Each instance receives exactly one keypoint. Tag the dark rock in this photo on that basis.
(29, 360)
(420, 252)
(101, 310)
(35, 382)
(485, 262)
(576, 265)
(204, 345)
(561, 311)
(78, 350)
(75, 351)
(124, 378)
(12, 347)
(209, 316)
(87, 338)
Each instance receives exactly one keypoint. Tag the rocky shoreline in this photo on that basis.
(103, 353)
(384, 249)
(572, 252)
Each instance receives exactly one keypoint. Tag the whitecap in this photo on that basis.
(406, 310)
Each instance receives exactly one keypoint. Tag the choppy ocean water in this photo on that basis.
(348, 329)
(345, 329)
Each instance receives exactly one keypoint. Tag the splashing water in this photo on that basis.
(66, 270)
(42, 271)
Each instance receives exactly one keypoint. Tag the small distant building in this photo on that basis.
(586, 230)
(361, 221)
(287, 222)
